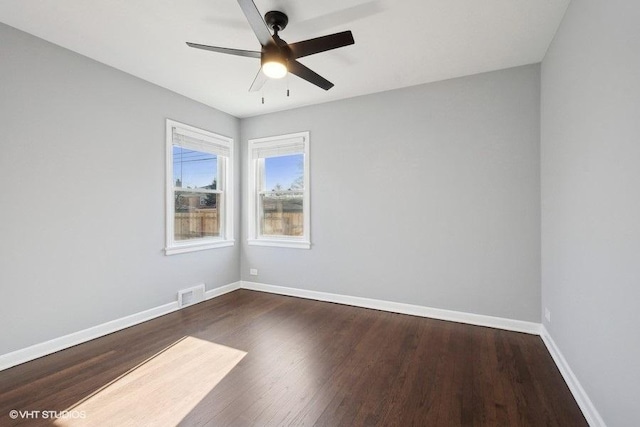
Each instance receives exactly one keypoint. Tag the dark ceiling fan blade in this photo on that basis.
(258, 82)
(321, 44)
(238, 52)
(256, 22)
(307, 74)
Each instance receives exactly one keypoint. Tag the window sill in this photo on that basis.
(201, 246)
(281, 243)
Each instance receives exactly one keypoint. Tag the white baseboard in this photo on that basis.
(586, 406)
(213, 293)
(396, 307)
(42, 349)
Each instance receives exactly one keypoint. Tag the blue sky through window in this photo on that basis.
(283, 170)
(194, 169)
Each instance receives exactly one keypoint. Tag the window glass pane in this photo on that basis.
(284, 172)
(196, 215)
(194, 169)
(282, 214)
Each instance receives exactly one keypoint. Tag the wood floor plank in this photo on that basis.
(304, 363)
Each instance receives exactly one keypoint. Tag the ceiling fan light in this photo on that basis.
(274, 69)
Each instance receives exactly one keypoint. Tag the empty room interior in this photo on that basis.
(238, 212)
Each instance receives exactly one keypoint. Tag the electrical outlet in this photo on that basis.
(253, 271)
(547, 315)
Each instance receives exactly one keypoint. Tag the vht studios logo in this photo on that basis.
(37, 414)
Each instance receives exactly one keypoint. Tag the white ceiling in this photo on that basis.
(398, 43)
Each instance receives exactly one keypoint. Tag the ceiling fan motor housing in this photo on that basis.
(279, 52)
(273, 54)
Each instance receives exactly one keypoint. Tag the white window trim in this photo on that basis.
(226, 223)
(274, 143)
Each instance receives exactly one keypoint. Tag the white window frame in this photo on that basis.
(284, 143)
(207, 141)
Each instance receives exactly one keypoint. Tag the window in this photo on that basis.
(279, 191)
(199, 199)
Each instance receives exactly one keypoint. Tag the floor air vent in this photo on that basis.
(190, 296)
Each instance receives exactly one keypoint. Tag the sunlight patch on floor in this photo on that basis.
(162, 390)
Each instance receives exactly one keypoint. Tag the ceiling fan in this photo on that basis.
(278, 57)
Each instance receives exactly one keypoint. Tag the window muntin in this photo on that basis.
(279, 196)
(198, 189)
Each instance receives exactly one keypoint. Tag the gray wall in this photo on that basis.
(82, 216)
(428, 195)
(591, 201)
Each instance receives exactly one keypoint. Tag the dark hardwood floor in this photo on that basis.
(306, 363)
